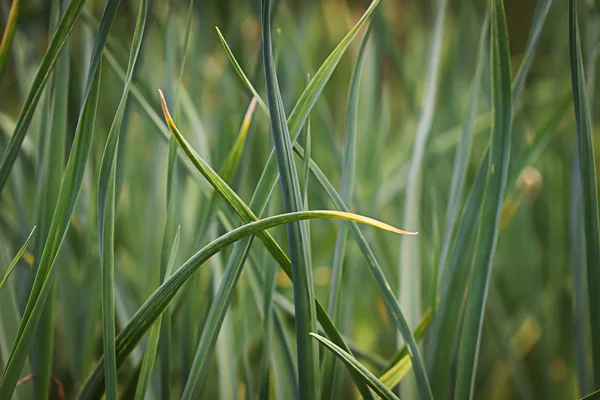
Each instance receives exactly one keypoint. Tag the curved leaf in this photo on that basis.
(153, 307)
(355, 366)
(16, 259)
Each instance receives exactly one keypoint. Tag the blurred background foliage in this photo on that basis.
(529, 344)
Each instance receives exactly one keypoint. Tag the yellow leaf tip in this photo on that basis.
(163, 103)
(400, 231)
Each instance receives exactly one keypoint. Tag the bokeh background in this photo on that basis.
(531, 347)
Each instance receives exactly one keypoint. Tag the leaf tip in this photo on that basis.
(402, 232)
(163, 103)
(249, 112)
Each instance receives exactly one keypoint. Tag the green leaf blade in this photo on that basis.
(492, 204)
(354, 365)
(153, 339)
(410, 265)
(63, 31)
(16, 259)
(306, 321)
(106, 214)
(65, 205)
(9, 35)
(155, 305)
(587, 171)
(228, 280)
(346, 193)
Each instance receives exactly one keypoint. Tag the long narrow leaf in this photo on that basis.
(268, 179)
(70, 187)
(71, 182)
(266, 186)
(346, 193)
(240, 72)
(35, 92)
(165, 342)
(455, 277)
(247, 215)
(592, 396)
(439, 358)
(52, 157)
(541, 12)
(388, 296)
(351, 362)
(267, 182)
(16, 259)
(8, 35)
(306, 321)
(409, 276)
(587, 170)
(463, 150)
(150, 353)
(222, 297)
(492, 204)
(302, 108)
(229, 167)
(144, 318)
(106, 212)
(106, 235)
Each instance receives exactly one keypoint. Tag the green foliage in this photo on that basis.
(587, 171)
(149, 253)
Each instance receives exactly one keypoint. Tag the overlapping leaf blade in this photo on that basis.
(306, 321)
(151, 310)
(150, 353)
(439, 356)
(35, 92)
(71, 182)
(70, 186)
(106, 212)
(497, 177)
(260, 198)
(587, 170)
(346, 193)
(351, 362)
(220, 303)
(51, 155)
(410, 268)
(455, 274)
